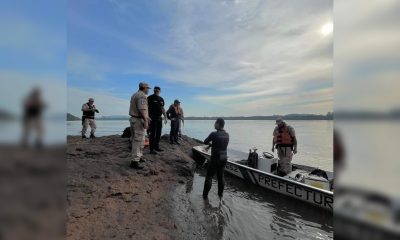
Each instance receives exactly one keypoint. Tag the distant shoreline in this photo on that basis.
(213, 119)
(291, 117)
(342, 115)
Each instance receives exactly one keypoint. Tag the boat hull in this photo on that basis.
(315, 196)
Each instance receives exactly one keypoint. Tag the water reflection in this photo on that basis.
(215, 216)
(249, 212)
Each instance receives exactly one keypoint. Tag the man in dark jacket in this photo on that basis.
(219, 143)
(174, 114)
(156, 110)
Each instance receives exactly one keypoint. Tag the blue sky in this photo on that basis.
(33, 52)
(218, 57)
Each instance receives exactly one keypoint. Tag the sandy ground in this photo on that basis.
(32, 193)
(108, 200)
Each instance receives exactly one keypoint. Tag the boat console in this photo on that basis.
(268, 163)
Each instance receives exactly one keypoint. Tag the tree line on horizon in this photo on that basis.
(328, 116)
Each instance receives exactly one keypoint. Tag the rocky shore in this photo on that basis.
(108, 200)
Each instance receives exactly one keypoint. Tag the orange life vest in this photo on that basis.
(282, 136)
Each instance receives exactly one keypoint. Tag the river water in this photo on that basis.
(246, 212)
(314, 137)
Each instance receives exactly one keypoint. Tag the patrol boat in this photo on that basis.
(305, 183)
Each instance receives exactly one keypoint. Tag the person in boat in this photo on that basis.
(156, 110)
(139, 121)
(219, 143)
(88, 112)
(285, 142)
(174, 114)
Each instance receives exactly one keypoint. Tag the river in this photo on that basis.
(314, 137)
(246, 212)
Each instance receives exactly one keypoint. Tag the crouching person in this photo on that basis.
(219, 143)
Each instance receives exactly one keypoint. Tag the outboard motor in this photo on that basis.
(318, 178)
(253, 158)
(320, 173)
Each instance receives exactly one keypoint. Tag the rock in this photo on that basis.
(126, 133)
(122, 198)
(153, 171)
(127, 198)
(116, 194)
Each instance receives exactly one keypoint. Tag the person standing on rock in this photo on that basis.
(219, 143)
(88, 112)
(175, 115)
(139, 121)
(156, 110)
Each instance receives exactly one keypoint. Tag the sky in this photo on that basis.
(219, 58)
(367, 59)
(33, 53)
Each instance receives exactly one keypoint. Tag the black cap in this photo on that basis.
(177, 101)
(157, 88)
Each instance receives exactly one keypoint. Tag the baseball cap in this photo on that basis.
(279, 120)
(177, 101)
(157, 88)
(91, 99)
(144, 85)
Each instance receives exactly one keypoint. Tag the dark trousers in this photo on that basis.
(215, 166)
(173, 135)
(155, 133)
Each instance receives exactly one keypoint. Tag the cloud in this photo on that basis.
(366, 55)
(32, 46)
(242, 50)
(26, 38)
(85, 66)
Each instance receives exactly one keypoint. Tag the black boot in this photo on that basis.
(153, 152)
(135, 165)
(84, 136)
(159, 150)
(92, 135)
